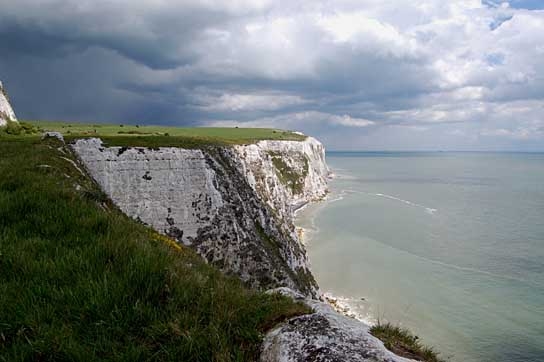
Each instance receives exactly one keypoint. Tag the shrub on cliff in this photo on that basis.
(17, 128)
(402, 342)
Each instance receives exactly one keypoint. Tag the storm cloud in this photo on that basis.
(402, 74)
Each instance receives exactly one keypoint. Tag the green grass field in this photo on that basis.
(80, 281)
(154, 136)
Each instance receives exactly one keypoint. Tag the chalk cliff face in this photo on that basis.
(6, 112)
(285, 174)
(234, 206)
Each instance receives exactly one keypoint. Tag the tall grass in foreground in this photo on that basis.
(80, 281)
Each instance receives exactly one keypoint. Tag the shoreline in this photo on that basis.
(340, 304)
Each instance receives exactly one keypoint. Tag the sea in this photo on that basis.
(447, 244)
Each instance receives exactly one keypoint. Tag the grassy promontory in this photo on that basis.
(161, 136)
(81, 281)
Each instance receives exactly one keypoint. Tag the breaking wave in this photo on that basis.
(351, 307)
(428, 210)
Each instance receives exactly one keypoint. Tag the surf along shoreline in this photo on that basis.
(339, 303)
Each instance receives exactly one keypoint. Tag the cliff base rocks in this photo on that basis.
(324, 335)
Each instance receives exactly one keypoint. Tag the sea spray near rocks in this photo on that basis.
(324, 335)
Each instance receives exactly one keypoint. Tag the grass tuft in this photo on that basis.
(17, 128)
(403, 343)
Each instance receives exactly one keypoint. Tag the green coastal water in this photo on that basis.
(450, 245)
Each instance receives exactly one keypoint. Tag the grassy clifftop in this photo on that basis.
(81, 281)
(155, 136)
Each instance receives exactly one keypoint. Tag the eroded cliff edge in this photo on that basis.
(233, 205)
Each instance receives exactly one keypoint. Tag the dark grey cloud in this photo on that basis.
(358, 74)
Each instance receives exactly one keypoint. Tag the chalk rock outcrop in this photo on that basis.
(6, 112)
(224, 202)
(324, 335)
(285, 174)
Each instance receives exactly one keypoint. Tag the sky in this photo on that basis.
(356, 74)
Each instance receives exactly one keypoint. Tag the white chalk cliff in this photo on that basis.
(6, 112)
(285, 174)
(235, 207)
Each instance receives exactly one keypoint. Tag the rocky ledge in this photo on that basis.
(324, 335)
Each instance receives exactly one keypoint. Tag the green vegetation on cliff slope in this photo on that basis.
(403, 343)
(81, 281)
(160, 136)
(14, 128)
(287, 175)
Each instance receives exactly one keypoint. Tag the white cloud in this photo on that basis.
(298, 121)
(519, 133)
(249, 102)
(349, 121)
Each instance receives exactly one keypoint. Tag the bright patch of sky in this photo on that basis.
(517, 4)
(527, 4)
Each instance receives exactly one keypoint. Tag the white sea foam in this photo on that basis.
(338, 197)
(427, 209)
(348, 302)
(350, 307)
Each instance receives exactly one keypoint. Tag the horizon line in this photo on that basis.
(434, 151)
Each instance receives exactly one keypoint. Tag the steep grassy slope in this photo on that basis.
(154, 136)
(80, 281)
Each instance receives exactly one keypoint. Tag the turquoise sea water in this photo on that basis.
(450, 245)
